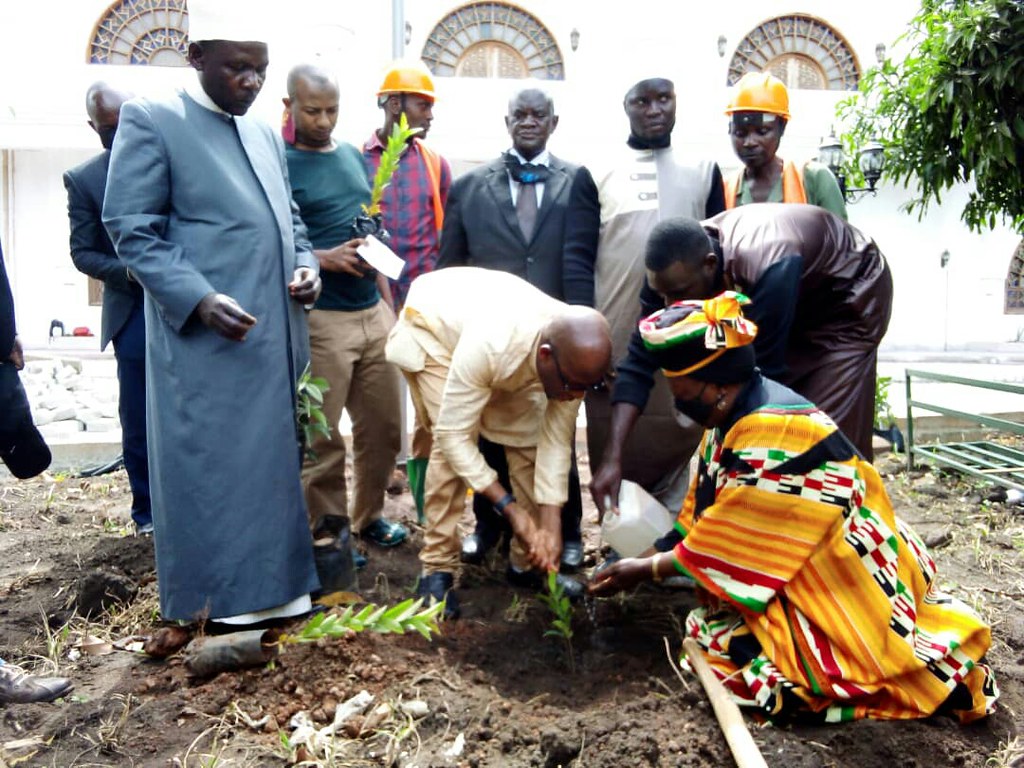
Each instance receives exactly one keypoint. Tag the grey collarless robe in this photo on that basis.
(198, 202)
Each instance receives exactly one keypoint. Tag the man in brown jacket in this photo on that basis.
(821, 295)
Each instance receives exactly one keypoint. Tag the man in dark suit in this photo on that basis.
(22, 448)
(123, 318)
(509, 215)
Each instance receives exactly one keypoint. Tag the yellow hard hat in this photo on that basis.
(760, 92)
(405, 77)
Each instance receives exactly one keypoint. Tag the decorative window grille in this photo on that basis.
(802, 51)
(492, 40)
(153, 32)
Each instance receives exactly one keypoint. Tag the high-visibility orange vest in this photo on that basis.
(792, 185)
(432, 162)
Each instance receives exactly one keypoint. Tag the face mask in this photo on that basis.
(695, 409)
(685, 421)
(107, 136)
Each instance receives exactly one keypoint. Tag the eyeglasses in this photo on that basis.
(572, 386)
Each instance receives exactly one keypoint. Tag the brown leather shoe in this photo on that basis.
(19, 687)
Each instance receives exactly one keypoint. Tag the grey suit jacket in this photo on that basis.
(481, 228)
(91, 249)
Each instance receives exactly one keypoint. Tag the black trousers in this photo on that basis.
(130, 351)
(490, 523)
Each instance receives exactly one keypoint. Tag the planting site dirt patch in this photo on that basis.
(492, 690)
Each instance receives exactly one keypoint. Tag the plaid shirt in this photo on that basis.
(407, 208)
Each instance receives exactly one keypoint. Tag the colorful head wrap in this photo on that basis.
(708, 340)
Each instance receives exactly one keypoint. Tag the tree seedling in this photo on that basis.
(389, 158)
(556, 601)
(310, 416)
(408, 615)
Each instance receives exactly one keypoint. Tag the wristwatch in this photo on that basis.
(502, 504)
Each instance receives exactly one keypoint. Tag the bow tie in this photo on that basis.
(525, 173)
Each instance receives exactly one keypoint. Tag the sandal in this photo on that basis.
(384, 533)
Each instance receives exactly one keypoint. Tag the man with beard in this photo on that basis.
(637, 185)
(349, 322)
(124, 322)
(199, 208)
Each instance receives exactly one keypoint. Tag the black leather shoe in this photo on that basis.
(476, 546)
(474, 549)
(572, 556)
(437, 588)
(536, 581)
(19, 687)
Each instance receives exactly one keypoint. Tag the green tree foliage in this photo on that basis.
(952, 111)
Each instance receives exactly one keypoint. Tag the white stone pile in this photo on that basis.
(69, 396)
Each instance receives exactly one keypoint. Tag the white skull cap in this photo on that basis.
(236, 20)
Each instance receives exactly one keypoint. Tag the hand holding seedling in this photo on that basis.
(543, 546)
(343, 258)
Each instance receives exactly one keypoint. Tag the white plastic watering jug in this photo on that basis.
(638, 521)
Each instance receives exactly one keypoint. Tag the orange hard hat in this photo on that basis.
(403, 77)
(760, 92)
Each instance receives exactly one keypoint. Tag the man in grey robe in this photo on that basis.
(199, 209)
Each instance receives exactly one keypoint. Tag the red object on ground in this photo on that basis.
(81, 331)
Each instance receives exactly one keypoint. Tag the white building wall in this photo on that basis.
(48, 285)
(42, 125)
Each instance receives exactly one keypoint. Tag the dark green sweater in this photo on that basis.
(330, 189)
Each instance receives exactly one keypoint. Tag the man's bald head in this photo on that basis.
(312, 76)
(531, 119)
(580, 345)
(313, 105)
(103, 105)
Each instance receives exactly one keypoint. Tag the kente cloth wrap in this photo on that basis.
(525, 173)
(818, 602)
(707, 339)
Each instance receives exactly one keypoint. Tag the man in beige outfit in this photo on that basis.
(486, 353)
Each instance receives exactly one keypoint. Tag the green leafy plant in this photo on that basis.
(397, 143)
(949, 111)
(310, 417)
(408, 615)
(557, 602)
(884, 417)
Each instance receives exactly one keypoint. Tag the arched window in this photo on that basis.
(492, 40)
(150, 32)
(800, 50)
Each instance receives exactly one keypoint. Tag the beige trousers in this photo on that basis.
(445, 493)
(347, 349)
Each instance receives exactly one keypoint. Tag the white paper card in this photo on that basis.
(381, 258)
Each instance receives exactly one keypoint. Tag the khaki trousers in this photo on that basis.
(347, 349)
(445, 494)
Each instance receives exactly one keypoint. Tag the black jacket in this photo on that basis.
(91, 249)
(481, 228)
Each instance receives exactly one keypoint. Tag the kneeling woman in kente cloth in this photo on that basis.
(817, 602)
